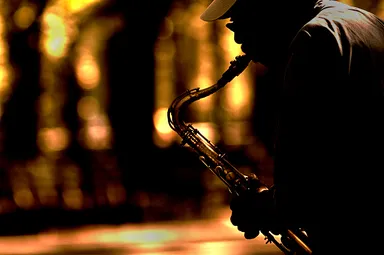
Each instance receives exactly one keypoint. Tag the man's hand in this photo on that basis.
(253, 210)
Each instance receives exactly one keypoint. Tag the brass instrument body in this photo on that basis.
(208, 153)
(215, 160)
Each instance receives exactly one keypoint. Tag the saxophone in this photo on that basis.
(216, 161)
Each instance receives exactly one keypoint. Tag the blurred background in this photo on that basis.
(88, 162)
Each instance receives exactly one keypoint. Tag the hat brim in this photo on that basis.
(217, 10)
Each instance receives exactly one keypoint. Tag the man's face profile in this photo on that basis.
(252, 29)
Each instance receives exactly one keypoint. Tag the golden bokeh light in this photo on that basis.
(6, 71)
(163, 134)
(96, 137)
(238, 98)
(24, 16)
(53, 139)
(87, 71)
(4, 79)
(79, 5)
(55, 37)
(48, 196)
(73, 198)
(116, 193)
(208, 130)
(160, 120)
(47, 104)
(23, 198)
(88, 107)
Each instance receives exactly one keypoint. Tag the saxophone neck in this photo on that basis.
(180, 103)
(235, 69)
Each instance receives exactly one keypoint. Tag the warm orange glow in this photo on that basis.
(380, 10)
(208, 130)
(53, 139)
(160, 120)
(148, 238)
(238, 98)
(217, 248)
(205, 104)
(227, 44)
(239, 94)
(54, 35)
(47, 196)
(167, 29)
(79, 5)
(237, 133)
(116, 193)
(73, 198)
(5, 67)
(29, 246)
(23, 197)
(96, 137)
(349, 2)
(24, 16)
(46, 104)
(87, 71)
(163, 135)
(88, 107)
(4, 79)
(166, 238)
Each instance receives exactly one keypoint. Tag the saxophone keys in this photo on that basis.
(230, 176)
(219, 169)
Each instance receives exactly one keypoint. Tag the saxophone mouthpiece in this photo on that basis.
(236, 68)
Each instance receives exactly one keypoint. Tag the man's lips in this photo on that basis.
(246, 49)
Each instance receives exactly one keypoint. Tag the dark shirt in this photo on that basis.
(330, 143)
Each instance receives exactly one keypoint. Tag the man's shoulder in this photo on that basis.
(336, 24)
(317, 34)
(340, 20)
(342, 27)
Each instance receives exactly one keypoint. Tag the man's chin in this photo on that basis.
(257, 58)
(254, 57)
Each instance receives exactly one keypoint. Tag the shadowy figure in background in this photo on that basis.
(328, 59)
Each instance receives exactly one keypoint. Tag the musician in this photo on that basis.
(328, 61)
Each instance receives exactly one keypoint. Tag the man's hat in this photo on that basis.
(217, 9)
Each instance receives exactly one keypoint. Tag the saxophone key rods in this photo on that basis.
(217, 162)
